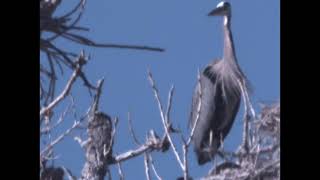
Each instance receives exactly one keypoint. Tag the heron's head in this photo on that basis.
(222, 9)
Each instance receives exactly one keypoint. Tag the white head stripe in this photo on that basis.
(220, 4)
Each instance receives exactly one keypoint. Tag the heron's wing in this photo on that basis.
(205, 124)
(208, 87)
(217, 106)
(210, 74)
(205, 75)
(233, 111)
(194, 105)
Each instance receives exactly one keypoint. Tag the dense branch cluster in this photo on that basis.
(263, 159)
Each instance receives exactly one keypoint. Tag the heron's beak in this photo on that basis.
(217, 12)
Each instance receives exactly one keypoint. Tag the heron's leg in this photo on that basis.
(220, 151)
(210, 147)
(245, 142)
(212, 170)
(215, 163)
(210, 138)
(105, 151)
(221, 141)
(249, 104)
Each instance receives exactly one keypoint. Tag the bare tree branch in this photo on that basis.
(261, 170)
(120, 171)
(132, 153)
(262, 160)
(67, 88)
(75, 124)
(47, 129)
(146, 165)
(133, 47)
(97, 96)
(169, 104)
(185, 162)
(153, 167)
(68, 173)
(155, 90)
(198, 111)
(152, 143)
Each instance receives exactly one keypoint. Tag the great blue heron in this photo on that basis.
(220, 95)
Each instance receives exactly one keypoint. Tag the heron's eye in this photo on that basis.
(226, 5)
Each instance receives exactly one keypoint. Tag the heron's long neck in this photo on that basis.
(228, 51)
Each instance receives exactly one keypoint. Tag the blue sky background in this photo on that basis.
(191, 40)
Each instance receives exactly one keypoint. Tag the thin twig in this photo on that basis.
(51, 89)
(60, 120)
(86, 81)
(64, 93)
(68, 173)
(153, 167)
(63, 18)
(68, 131)
(186, 145)
(198, 110)
(120, 171)
(135, 139)
(133, 47)
(97, 96)
(66, 60)
(146, 165)
(185, 162)
(147, 147)
(75, 124)
(169, 104)
(58, 64)
(61, 30)
(80, 4)
(131, 153)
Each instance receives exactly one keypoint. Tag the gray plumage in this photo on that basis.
(52, 173)
(100, 132)
(221, 95)
(98, 148)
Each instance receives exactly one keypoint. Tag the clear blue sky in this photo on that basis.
(192, 40)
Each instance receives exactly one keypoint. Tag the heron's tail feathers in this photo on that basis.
(206, 154)
(204, 157)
